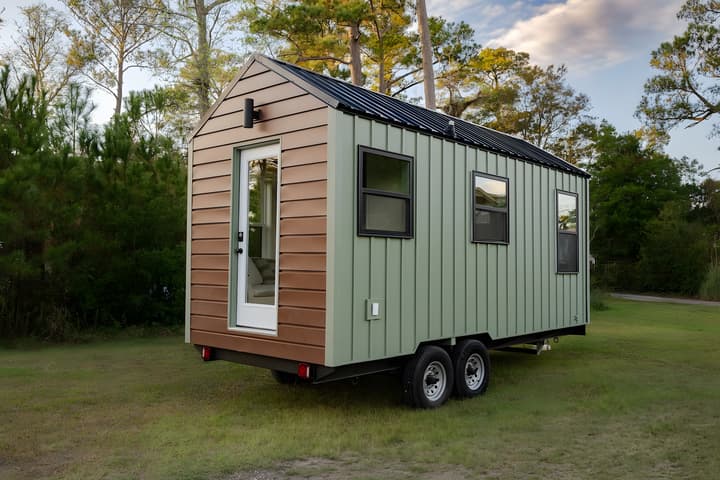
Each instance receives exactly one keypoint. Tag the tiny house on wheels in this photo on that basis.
(335, 232)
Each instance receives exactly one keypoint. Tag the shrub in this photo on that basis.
(597, 300)
(91, 235)
(710, 288)
(675, 255)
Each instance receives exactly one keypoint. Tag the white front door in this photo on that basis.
(257, 238)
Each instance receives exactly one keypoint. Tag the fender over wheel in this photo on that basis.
(428, 378)
(472, 368)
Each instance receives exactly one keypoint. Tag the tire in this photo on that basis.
(471, 363)
(428, 378)
(284, 378)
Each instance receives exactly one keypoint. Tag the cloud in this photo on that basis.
(592, 34)
(480, 14)
(454, 9)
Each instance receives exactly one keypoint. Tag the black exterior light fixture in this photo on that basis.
(250, 113)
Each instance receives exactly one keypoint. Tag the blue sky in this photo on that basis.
(606, 45)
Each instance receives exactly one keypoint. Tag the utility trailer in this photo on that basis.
(335, 232)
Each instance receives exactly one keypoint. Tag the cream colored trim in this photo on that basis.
(188, 241)
(330, 238)
(260, 317)
(234, 219)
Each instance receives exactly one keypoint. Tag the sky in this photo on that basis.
(605, 44)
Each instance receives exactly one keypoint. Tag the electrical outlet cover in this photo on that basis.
(373, 308)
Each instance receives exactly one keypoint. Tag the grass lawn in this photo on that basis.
(638, 398)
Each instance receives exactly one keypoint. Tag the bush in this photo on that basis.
(675, 255)
(597, 300)
(710, 289)
(619, 276)
(91, 235)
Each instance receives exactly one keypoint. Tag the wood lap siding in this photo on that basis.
(300, 121)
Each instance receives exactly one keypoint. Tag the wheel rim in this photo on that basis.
(434, 381)
(474, 371)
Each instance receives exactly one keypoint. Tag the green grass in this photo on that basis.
(639, 397)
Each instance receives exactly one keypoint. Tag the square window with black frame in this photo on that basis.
(567, 232)
(385, 194)
(490, 223)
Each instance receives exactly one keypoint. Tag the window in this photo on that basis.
(567, 232)
(490, 209)
(385, 194)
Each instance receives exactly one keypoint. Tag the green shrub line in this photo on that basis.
(710, 288)
(598, 300)
(92, 221)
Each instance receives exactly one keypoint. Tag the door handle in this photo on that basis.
(240, 236)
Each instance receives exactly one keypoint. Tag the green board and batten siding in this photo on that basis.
(439, 285)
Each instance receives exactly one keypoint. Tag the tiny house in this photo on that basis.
(335, 232)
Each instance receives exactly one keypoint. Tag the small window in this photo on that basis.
(385, 194)
(490, 209)
(567, 232)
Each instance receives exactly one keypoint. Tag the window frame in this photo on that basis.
(559, 232)
(362, 191)
(474, 207)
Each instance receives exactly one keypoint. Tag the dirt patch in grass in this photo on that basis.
(357, 469)
(354, 468)
(48, 466)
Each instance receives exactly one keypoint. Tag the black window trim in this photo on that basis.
(559, 232)
(473, 207)
(361, 191)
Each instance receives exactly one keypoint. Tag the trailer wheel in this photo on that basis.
(472, 368)
(284, 378)
(428, 378)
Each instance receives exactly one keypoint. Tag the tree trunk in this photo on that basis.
(382, 82)
(119, 87)
(355, 59)
(427, 63)
(202, 60)
(122, 45)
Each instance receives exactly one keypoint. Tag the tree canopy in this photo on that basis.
(41, 48)
(630, 185)
(91, 222)
(686, 90)
(366, 41)
(651, 222)
(192, 49)
(114, 36)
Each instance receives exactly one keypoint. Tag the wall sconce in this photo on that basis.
(250, 113)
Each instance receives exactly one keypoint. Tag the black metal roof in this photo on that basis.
(353, 99)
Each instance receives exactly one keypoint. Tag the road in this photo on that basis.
(649, 298)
